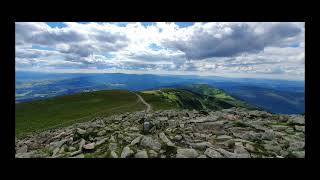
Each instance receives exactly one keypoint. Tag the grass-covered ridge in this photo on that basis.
(41, 115)
(65, 110)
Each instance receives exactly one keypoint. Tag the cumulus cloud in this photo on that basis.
(231, 47)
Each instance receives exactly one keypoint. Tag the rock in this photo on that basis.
(112, 139)
(172, 123)
(89, 146)
(70, 148)
(279, 127)
(202, 156)
(134, 129)
(101, 141)
(223, 137)
(298, 119)
(82, 143)
(153, 154)
(180, 156)
(75, 153)
(25, 155)
(126, 152)
(297, 154)
(268, 135)
(146, 127)
(164, 138)
(136, 140)
(101, 133)
(22, 149)
(55, 151)
(54, 145)
(177, 137)
(272, 147)
(141, 154)
(108, 129)
(239, 149)
(200, 145)
(228, 154)
(112, 146)
(189, 153)
(249, 147)
(299, 128)
(113, 154)
(295, 146)
(150, 142)
(212, 153)
(81, 131)
(62, 150)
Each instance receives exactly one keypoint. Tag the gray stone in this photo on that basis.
(298, 119)
(141, 154)
(298, 154)
(55, 151)
(70, 148)
(295, 146)
(228, 154)
(113, 154)
(134, 129)
(112, 146)
(75, 153)
(126, 152)
(146, 127)
(279, 127)
(212, 153)
(153, 154)
(299, 128)
(89, 146)
(136, 140)
(202, 156)
(223, 137)
(101, 133)
(200, 145)
(249, 147)
(177, 137)
(164, 138)
(58, 144)
(101, 141)
(81, 131)
(112, 139)
(268, 135)
(172, 123)
(150, 142)
(22, 149)
(82, 142)
(189, 153)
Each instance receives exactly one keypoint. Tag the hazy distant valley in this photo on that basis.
(277, 96)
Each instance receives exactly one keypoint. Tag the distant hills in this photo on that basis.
(277, 96)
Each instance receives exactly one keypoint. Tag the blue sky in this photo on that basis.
(232, 49)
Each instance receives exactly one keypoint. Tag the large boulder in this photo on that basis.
(188, 153)
(149, 142)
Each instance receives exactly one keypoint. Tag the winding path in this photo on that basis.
(144, 102)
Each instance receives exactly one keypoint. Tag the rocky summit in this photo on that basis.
(227, 133)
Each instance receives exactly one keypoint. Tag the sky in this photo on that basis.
(273, 50)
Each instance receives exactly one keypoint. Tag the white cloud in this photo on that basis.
(224, 47)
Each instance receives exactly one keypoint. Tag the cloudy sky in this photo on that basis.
(231, 49)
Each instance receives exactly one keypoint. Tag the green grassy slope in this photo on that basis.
(65, 110)
(40, 115)
(193, 96)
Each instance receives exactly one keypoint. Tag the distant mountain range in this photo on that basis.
(277, 96)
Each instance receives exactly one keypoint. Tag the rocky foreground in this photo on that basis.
(229, 133)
